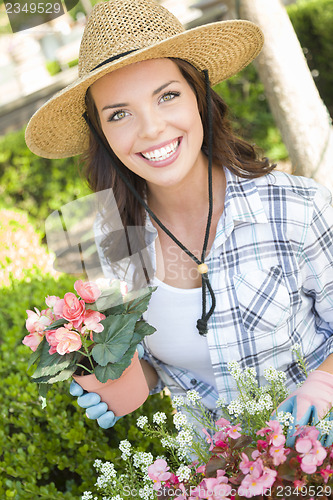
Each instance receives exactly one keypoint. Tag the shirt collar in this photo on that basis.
(242, 206)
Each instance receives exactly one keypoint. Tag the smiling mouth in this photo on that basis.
(162, 153)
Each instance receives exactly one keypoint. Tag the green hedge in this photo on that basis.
(49, 454)
(250, 114)
(34, 184)
(313, 23)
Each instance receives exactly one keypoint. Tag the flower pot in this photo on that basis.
(122, 395)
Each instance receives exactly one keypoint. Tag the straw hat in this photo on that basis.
(122, 32)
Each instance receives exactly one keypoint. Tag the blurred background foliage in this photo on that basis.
(48, 454)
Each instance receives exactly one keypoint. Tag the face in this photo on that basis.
(149, 115)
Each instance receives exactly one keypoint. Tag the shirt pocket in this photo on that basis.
(263, 299)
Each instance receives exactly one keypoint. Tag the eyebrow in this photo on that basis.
(156, 91)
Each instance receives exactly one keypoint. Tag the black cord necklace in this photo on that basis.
(202, 266)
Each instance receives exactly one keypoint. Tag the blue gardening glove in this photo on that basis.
(309, 403)
(95, 409)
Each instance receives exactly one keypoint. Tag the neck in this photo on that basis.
(190, 200)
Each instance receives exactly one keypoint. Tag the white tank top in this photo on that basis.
(174, 313)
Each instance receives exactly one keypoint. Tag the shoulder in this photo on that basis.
(291, 192)
(293, 186)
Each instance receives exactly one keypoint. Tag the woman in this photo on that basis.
(243, 259)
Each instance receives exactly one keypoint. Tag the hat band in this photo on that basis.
(113, 58)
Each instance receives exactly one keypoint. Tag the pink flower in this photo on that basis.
(258, 481)
(233, 431)
(50, 300)
(274, 433)
(67, 340)
(214, 488)
(33, 340)
(312, 453)
(326, 474)
(246, 465)
(58, 308)
(208, 439)
(279, 454)
(158, 472)
(222, 422)
(92, 320)
(88, 290)
(37, 322)
(50, 337)
(73, 309)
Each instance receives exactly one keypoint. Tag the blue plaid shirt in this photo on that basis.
(271, 270)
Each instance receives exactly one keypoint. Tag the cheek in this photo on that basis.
(119, 142)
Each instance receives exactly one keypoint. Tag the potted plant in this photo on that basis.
(93, 336)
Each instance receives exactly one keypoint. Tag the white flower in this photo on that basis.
(183, 473)
(97, 463)
(142, 459)
(236, 407)
(179, 420)
(108, 470)
(285, 418)
(184, 438)
(193, 396)
(168, 442)
(125, 448)
(102, 482)
(325, 426)
(220, 402)
(271, 374)
(87, 495)
(296, 348)
(147, 492)
(142, 421)
(178, 401)
(235, 370)
(159, 417)
(117, 497)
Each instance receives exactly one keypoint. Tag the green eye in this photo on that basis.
(169, 96)
(118, 115)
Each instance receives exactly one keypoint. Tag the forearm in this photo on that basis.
(327, 365)
(150, 374)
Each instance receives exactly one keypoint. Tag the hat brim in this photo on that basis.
(58, 130)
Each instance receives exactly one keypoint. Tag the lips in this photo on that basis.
(162, 153)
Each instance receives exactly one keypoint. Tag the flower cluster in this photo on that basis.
(226, 461)
(93, 331)
(80, 321)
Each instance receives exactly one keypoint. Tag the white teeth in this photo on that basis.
(162, 153)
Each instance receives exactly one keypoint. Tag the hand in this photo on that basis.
(310, 403)
(95, 409)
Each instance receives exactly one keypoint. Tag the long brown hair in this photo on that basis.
(229, 151)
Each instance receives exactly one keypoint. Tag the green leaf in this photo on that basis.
(43, 389)
(110, 299)
(140, 300)
(142, 328)
(57, 323)
(114, 341)
(112, 371)
(52, 364)
(34, 357)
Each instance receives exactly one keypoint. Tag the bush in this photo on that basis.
(250, 114)
(313, 23)
(34, 184)
(49, 454)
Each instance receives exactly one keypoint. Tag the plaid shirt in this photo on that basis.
(271, 270)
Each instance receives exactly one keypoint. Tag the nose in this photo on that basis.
(151, 124)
